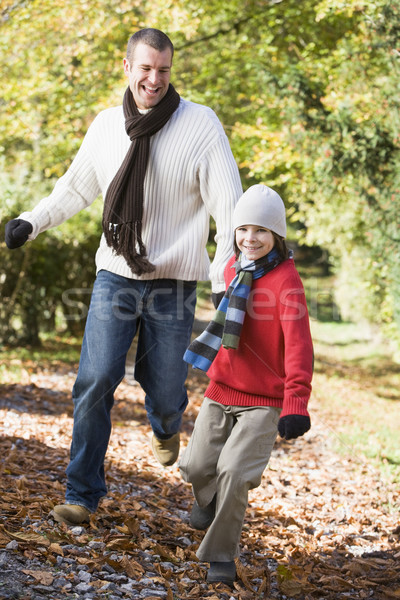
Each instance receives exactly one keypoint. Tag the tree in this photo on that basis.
(307, 92)
(60, 67)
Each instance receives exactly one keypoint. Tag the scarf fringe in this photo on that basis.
(123, 239)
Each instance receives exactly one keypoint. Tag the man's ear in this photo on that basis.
(127, 66)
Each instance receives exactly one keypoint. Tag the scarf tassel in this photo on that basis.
(126, 241)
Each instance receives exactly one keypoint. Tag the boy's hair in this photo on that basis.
(279, 244)
(152, 37)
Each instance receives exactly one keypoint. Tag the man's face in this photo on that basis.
(148, 75)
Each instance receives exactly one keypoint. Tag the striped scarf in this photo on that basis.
(225, 327)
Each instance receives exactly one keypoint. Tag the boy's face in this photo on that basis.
(254, 241)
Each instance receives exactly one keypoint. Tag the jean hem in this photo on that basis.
(69, 502)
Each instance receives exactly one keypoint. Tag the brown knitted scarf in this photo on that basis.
(123, 204)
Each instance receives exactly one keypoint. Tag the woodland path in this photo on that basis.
(321, 525)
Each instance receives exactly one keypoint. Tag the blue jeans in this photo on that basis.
(162, 310)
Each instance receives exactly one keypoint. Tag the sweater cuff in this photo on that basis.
(293, 405)
(27, 216)
(217, 288)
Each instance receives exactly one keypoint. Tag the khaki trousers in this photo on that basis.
(227, 453)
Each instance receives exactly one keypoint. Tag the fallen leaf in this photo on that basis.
(132, 568)
(43, 577)
(28, 538)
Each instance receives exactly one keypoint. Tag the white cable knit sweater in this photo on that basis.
(191, 173)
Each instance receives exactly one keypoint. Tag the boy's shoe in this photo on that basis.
(166, 451)
(71, 514)
(201, 518)
(222, 572)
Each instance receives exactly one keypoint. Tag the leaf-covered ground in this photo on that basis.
(321, 525)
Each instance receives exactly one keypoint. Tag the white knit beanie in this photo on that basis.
(261, 205)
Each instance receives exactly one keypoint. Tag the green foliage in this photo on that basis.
(348, 192)
(46, 284)
(308, 94)
(60, 67)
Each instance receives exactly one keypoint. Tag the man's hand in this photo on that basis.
(216, 298)
(17, 232)
(292, 426)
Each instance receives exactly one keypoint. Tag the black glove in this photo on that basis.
(216, 298)
(292, 426)
(17, 232)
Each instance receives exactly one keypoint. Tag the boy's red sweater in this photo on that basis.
(274, 361)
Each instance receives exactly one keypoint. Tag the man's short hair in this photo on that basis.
(152, 37)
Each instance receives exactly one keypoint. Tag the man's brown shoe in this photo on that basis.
(71, 514)
(166, 451)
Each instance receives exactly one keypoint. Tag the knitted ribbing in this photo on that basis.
(198, 175)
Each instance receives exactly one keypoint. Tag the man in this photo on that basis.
(162, 165)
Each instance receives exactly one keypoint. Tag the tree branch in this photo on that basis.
(224, 31)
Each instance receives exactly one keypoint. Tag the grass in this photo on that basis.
(56, 350)
(357, 387)
(356, 383)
